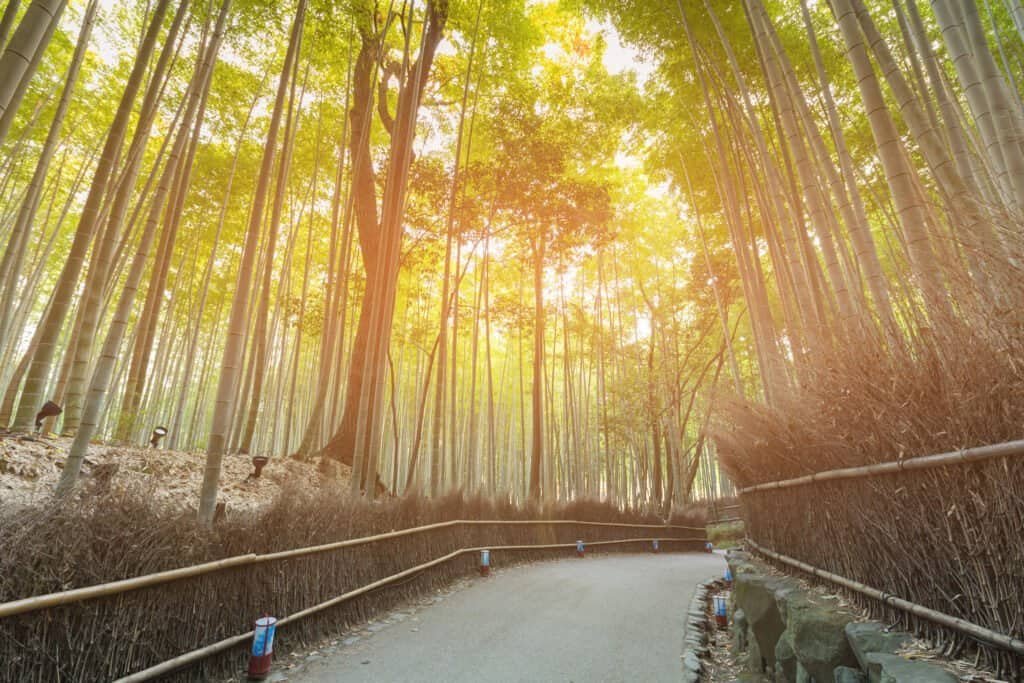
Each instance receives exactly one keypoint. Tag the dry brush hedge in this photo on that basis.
(110, 538)
(939, 538)
(948, 538)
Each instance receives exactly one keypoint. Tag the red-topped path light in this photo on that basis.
(262, 648)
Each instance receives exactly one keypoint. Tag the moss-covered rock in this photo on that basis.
(785, 659)
(818, 635)
(845, 674)
(887, 668)
(755, 594)
(868, 637)
(740, 628)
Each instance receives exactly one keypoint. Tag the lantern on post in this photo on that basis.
(158, 433)
(262, 648)
(258, 463)
(485, 562)
(579, 548)
(49, 409)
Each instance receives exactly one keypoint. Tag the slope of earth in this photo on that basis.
(31, 466)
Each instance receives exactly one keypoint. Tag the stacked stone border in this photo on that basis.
(695, 635)
(792, 635)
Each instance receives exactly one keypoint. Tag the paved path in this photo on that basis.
(602, 618)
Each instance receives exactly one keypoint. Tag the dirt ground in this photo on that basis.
(31, 466)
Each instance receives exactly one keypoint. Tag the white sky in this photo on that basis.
(619, 58)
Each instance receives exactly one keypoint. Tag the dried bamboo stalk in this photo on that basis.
(967, 455)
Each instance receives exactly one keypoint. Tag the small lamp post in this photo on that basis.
(158, 433)
(721, 616)
(262, 648)
(485, 562)
(258, 463)
(49, 409)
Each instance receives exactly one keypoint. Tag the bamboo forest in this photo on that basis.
(530, 249)
(538, 250)
(303, 299)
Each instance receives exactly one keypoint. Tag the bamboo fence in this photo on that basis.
(200, 654)
(41, 602)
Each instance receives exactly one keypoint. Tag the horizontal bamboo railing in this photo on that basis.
(1000, 640)
(967, 455)
(40, 602)
(234, 641)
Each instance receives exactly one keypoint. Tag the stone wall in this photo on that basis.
(792, 635)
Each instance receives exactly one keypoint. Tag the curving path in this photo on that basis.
(602, 618)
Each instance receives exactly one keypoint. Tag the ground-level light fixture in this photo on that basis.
(262, 653)
(258, 463)
(49, 409)
(721, 615)
(158, 433)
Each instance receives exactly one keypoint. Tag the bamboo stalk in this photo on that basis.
(40, 602)
(967, 455)
(1000, 640)
(226, 644)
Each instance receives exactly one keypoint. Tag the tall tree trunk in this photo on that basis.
(537, 394)
(10, 267)
(899, 174)
(975, 230)
(7, 21)
(765, 338)
(854, 214)
(93, 302)
(174, 438)
(260, 337)
(20, 56)
(379, 242)
(100, 383)
(53, 322)
(233, 348)
(989, 115)
(332, 334)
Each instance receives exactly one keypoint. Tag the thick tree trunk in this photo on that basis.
(17, 241)
(913, 215)
(359, 433)
(21, 55)
(7, 21)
